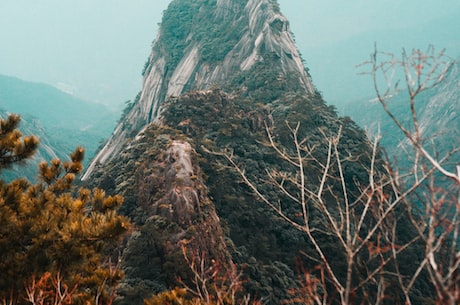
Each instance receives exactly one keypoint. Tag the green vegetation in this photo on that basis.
(55, 240)
(256, 190)
(169, 211)
(129, 105)
(212, 121)
(234, 119)
(176, 26)
(216, 39)
(224, 34)
(270, 250)
(60, 120)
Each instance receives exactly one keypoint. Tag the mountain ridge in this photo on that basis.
(266, 31)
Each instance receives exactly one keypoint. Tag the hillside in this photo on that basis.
(215, 86)
(62, 121)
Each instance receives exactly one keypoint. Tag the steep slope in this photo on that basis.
(212, 43)
(214, 120)
(165, 195)
(60, 120)
(216, 81)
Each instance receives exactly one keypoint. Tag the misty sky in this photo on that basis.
(96, 48)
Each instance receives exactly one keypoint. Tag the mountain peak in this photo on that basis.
(202, 44)
(221, 75)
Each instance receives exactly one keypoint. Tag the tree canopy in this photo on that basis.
(56, 240)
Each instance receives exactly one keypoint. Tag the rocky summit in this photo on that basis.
(206, 43)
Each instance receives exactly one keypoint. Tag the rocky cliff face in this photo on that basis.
(252, 32)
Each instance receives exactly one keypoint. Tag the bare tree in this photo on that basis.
(51, 288)
(440, 203)
(346, 220)
(211, 283)
(366, 225)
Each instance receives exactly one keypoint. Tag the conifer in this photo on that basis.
(52, 233)
(14, 147)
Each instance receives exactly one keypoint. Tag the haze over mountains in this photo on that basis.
(438, 111)
(335, 73)
(224, 85)
(94, 50)
(61, 121)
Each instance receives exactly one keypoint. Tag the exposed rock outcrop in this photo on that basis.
(182, 199)
(167, 198)
(258, 31)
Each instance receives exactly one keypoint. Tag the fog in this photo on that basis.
(96, 49)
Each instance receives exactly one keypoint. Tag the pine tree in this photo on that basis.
(54, 239)
(14, 147)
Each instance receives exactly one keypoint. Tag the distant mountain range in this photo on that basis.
(333, 67)
(60, 120)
